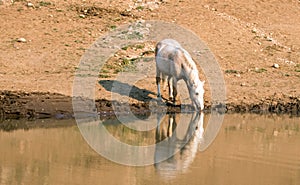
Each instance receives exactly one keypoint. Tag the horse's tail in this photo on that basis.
(157, 48)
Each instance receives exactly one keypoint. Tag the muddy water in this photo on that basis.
(249, 149)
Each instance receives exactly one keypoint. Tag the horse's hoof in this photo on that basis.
(171, 99)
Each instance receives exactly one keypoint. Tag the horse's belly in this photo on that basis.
(164, 66)
(169, 70)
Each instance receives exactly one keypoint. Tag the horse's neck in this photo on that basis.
(190, 76)
(189, 65)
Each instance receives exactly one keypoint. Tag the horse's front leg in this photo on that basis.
(164, 81)
(170, 85)
(173, 89)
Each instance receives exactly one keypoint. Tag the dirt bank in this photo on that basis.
(17, 105)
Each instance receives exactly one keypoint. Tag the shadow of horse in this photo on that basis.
(126, 89)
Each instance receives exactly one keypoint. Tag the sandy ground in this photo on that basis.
(42, 43)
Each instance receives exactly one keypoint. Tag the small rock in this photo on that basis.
(243, 84)
(275, 133)
(269, 39)
(142, 21)
(22, 40)
(82, 16)
(237, 75)
(30, 4)
(276, 66)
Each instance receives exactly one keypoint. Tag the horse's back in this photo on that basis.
(166, 45)
(171, 42)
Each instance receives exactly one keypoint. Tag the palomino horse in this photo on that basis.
(174, 63)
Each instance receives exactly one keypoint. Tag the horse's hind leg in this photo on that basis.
(158, 83)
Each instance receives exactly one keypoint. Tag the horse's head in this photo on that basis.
(197, 93)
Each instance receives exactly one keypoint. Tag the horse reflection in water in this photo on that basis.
(177, 143)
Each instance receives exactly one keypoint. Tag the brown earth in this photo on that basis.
(247, 39)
